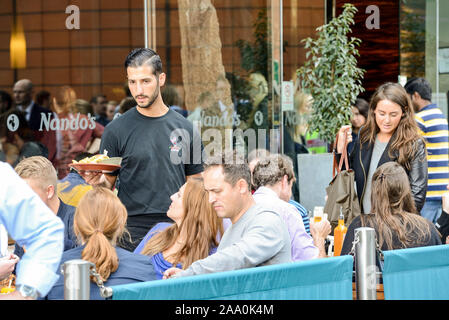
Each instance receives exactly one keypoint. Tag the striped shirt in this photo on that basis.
(433, 127)
(303, 213)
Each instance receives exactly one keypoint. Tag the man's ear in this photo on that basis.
(162, 77)
(243, 186)
(50, 191)
(285, 181)
(416, 95)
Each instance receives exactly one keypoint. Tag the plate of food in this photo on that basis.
(97, 163)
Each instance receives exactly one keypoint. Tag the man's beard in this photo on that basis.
(152, 98)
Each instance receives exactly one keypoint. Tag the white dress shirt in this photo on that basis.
(32, 224)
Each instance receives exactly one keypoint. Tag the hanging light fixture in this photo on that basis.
(17, 43)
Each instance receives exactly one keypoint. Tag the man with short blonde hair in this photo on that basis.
(41, 176)
(39, 171)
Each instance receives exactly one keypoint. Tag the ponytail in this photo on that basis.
(99, 251)
(100, 220)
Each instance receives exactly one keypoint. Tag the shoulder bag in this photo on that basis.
(341, 191)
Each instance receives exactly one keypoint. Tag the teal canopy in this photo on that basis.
(319, 279)
(417, 273)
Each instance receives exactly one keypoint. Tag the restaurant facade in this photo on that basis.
(231, 65)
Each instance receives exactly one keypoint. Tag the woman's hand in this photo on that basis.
(171, 272)
(341, 136)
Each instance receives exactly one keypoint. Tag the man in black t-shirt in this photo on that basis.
(159, 148)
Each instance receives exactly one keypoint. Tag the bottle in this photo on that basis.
(339, 234)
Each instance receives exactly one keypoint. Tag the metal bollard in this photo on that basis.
(77, 279)
(365, 263)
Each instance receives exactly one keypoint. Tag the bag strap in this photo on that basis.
(344, 155)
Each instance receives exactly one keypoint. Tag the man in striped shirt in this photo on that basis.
(433, 127)
(304, 215)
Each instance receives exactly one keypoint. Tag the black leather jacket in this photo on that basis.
(360, 158)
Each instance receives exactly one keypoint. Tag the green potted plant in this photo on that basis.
(331, 77)
(330, 74)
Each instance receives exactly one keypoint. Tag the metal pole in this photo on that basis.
(365, 263)
(146, 5)
(77, 279)
(281, 70)
(149, 12)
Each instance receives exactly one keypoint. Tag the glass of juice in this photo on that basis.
(317, 214)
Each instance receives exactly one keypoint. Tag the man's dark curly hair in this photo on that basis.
(270, 170)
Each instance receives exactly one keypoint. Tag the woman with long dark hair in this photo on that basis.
(390, 134)
(393, 214)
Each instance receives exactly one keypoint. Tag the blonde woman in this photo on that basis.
(194, 235)
(99, 223)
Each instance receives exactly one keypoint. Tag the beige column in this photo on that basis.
(202, 65)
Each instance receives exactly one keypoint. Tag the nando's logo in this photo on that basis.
(49, 122)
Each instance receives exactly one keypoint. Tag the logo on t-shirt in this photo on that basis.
(174, 147)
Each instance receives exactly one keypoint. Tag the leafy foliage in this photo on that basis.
(413, 40)
(254, 57)
(330, 74)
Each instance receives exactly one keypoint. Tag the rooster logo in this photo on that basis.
(174, 147)
(12, 122)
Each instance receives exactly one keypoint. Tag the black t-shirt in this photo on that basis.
(158, 153)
